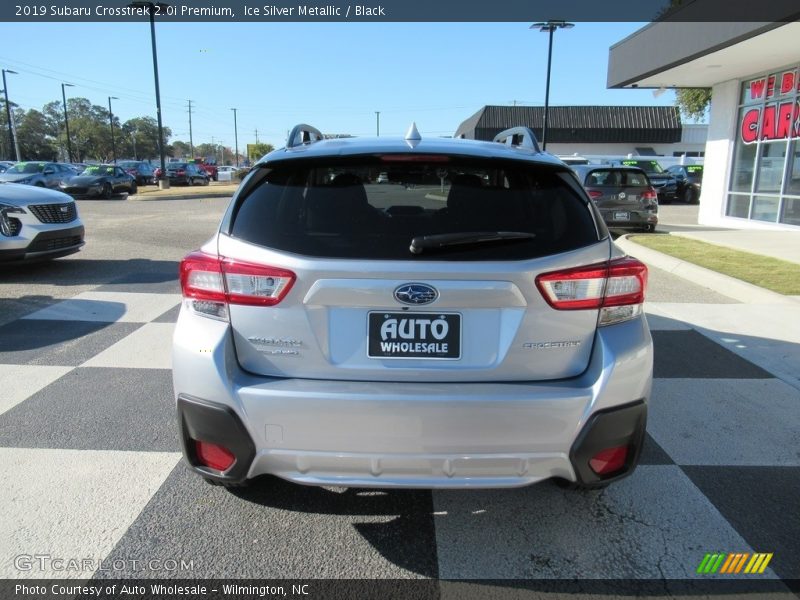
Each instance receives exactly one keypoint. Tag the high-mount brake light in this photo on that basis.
(211, 283)
(616, 287)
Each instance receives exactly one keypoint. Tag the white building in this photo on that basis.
(752, 156)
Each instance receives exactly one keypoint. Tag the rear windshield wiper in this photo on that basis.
(443, 240)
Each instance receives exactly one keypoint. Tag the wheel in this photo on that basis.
(134, 189)
(649, 228)
(107, 191)
(39, 184)
(691, 196)
(206, 181)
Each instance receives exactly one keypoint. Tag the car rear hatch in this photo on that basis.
(455, 271)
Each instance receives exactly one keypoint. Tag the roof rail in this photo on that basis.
(518, 136)
(303, 134)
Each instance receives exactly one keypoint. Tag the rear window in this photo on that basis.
(374, 208)
(649, 166)
(616, 178)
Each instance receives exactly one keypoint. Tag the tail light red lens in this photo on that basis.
(650, 195)
(609, 460)
(215, 279)
(181, 172)
(619, 282)
(594, 194)
(214, 456)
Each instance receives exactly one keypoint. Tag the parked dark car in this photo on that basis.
(181, 173)
(689, 179)
(100, 181)
(144, 172)
(42, 174)
(664, 182)
(623, 195)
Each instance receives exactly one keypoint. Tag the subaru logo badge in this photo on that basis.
(64, 209)
(415, 294)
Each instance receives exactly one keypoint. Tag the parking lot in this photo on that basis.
(93, 466)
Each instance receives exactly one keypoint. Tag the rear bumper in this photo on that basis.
(638, 219)
(407, 434)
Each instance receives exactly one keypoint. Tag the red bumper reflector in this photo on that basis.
(609, 460)
(214, 456)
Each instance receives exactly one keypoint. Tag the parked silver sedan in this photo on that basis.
(37, 223)
(475, 327)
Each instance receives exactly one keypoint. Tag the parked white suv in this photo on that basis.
(476, 327)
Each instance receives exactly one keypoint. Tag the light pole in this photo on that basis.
(12, 147)
(378, 123)
(549, 27)
(111, 122)
(163, 182)
(236, 137)
(66, 120)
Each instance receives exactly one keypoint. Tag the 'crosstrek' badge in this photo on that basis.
(415, 294)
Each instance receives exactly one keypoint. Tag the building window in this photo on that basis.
(765, 173)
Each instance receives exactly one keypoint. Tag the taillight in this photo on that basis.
(211, 283)
(181, 172)
(594, 194)
(616, 288)
(650, 195)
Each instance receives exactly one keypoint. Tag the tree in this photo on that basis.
(35, 138)
(256, 151)
(140, 138)
(181, 149)
(693, 102)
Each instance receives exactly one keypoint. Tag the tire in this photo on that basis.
(206, 181)
(38, 184)
(107, 191)
(649, 228)
(134, 189)
(691, 196)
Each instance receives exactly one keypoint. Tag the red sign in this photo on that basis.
(772, 122)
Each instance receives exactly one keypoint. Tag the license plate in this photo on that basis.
(414, 335)
(622, 216)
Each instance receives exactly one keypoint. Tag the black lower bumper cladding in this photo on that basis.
(618, 426)
(217, 424)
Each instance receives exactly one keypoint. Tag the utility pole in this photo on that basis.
(191, 144)
(13, 147)
(256, 135)
(378, 123)
(236, 136)
(66, 120)
(111, 123)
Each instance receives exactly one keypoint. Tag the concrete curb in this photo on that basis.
(722, 284)
(148, 198)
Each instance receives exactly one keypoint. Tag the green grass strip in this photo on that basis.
(764, 271)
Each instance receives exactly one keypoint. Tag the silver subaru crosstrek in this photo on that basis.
(468, 323)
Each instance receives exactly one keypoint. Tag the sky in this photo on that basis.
(334, 76)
